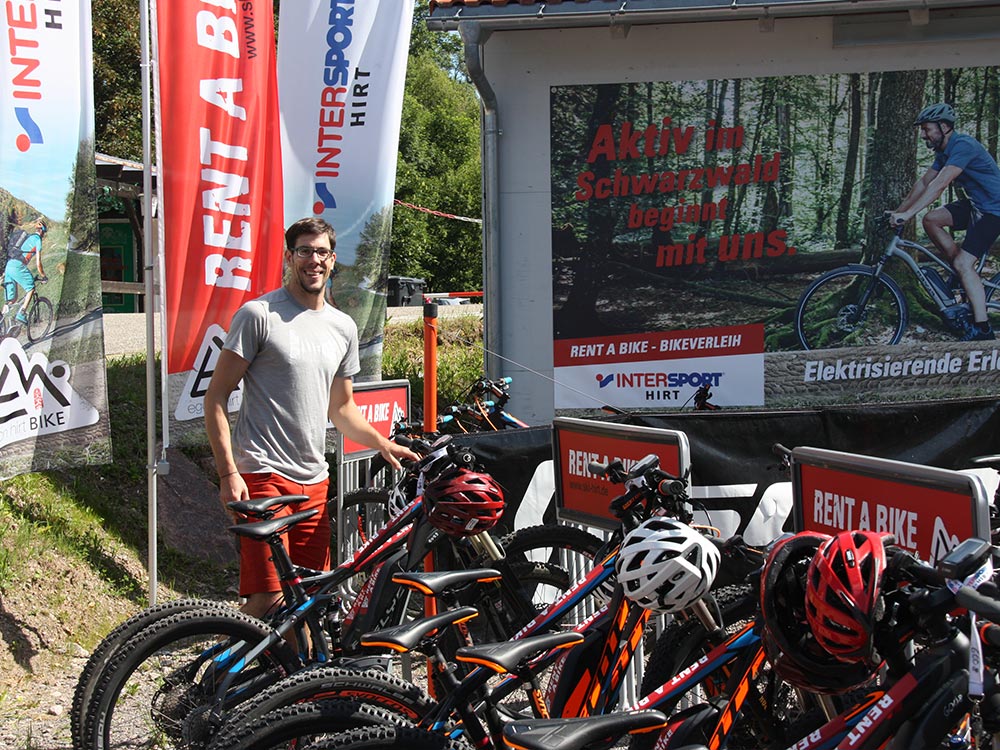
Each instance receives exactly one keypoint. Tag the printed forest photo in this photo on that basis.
(697, 204)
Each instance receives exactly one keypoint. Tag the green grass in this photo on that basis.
(96, 516)
(460, 356)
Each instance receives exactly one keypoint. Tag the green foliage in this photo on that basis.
(117, 78)
(460, 356)
(438, 168)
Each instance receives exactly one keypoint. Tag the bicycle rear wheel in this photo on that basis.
(40, 318)
(567, 552)
(300, 725)
(372, 687)
(850, 307)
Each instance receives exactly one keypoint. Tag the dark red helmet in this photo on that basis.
(843, 593)
(461, 502)
(788, 642)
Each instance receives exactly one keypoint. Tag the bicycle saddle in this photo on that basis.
(260, 506)
(437, 582)
(569, 734)
(509, 655)
(408, 636)
(261, 530)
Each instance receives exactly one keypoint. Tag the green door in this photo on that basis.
(118, 263)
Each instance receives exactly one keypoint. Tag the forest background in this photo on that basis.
(848, 150)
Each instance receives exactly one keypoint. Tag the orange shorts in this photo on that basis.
(307, 542)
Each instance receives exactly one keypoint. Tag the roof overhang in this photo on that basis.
(121, 175)
(447, 15)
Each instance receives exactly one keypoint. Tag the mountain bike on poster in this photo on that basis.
(861, 304)
(37, 311)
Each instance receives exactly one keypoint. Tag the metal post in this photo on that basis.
(430, 366)
(147, 241)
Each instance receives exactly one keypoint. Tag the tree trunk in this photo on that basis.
(893, 155)
(842, 238)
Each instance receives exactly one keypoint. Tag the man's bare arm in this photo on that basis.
(229, 371)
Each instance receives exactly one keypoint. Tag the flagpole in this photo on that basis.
(150, 298)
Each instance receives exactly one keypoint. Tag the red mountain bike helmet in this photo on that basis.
(788, 642)
(843, 587)
(461, 502)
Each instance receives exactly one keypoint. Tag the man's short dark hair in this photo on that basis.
(309, 225)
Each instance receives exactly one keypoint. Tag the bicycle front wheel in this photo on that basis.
(40, 319)
(851, 307)
(161, 687)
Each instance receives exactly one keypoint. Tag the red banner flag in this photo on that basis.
(221, 227)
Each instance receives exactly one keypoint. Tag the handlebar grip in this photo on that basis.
(507, 380)
(403, 440)
(597, 469)
(903, 565)
(982, 605)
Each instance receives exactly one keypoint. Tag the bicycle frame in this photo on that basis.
(897, 249)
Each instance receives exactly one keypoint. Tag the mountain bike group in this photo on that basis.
(805, 644)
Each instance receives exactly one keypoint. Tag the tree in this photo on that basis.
(117, 78)
(438, 168)
(893, 148)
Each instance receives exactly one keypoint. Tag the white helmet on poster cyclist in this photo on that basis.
(665, 565)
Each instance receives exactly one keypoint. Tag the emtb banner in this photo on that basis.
(53, 400)
(341, 70)
(221, 226)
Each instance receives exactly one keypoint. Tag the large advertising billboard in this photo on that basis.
(726, 237)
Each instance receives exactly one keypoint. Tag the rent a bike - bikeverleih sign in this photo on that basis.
(929, 510)
(583, 496)
(713, 233)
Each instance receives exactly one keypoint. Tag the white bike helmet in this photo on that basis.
(665, 565)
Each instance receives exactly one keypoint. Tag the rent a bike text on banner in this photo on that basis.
(728, 236)
(52, 378)
(219, 178)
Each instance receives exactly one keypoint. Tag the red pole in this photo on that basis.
(430, 366)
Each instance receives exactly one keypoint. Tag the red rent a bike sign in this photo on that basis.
(583, 496)
(928, 510)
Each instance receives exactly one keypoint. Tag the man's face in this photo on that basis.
(311, 272)
(933, 135)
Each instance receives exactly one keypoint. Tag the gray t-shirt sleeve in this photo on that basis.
(247, 330)
(351, 364)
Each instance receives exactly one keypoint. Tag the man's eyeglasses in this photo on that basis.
(307, 252)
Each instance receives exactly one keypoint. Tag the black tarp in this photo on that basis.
(730, 448)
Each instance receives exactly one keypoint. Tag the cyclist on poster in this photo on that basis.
(959, 159)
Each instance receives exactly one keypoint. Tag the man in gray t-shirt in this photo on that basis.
(295, 356)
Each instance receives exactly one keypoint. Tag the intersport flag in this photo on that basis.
(53, 395)
(221, 227)
(341, 71)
